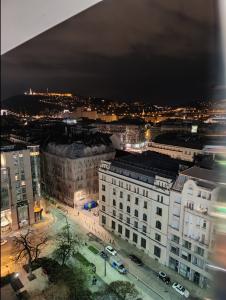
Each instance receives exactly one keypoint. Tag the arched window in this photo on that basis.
(128, 209)
(144, 217)
(120, 205)
(136, 213)
(158, 225)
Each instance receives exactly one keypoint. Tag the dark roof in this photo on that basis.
(6, 146)
(214, 175)
(85, 138)
(182, 140)
(148, 164)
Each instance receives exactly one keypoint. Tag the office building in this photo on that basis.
(17, 198)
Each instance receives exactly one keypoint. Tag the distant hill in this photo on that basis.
(30, 104)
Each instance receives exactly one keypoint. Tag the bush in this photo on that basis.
(93, 249)
(82, 259)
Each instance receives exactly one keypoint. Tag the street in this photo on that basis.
(143, 277)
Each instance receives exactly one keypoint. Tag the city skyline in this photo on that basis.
(94, 54)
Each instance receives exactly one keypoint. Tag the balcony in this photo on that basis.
(198, 212)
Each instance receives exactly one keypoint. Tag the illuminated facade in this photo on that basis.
(17, 199)
(177, 152)
(70, 171)
(129, 134)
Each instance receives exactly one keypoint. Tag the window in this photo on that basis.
(127, 233)
(23, 190)
(134, 237)
(143, 243)
(145, 204)
(204, 224)
(119, 228)
(121, 194)
(175, 250)
(144, 229)
(157, 251)
(161, 199)
(187, 245)
(114, 191)
(145, 217)
(143, 192)
(120, 205)
(159, 211)
(103, 208)
(175, 239)
(128, 209)
(128, 220)
(136, 201)
(103, 198)
(158, 237)
(103, 220)
(199, 251)
(114, 202)
(136, 213)
(114, 213)
(158, 225)
(120, 216)
(128, 197)
(158, 198)
(113, 224)
(135, 224)
(103, 187)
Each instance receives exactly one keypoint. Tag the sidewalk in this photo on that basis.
(47, 220)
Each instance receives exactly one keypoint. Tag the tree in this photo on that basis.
(67, 244)
(28, 246)
(123, 289)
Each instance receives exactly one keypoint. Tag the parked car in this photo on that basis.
(164, 277)
(180, 289)
(104, 255)
(111, 250)
(118, 265)
(89, 205)
(3, 242)
(136, 259)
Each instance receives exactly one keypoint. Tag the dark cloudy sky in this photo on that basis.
(156, 50)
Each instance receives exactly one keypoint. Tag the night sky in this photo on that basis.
(157, 50)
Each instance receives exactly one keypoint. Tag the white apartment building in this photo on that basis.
(134, 195)
(191, 230)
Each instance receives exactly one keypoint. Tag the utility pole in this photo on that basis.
(105, 263)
